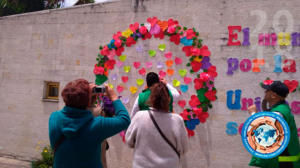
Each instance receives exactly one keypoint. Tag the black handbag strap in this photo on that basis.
(161, 133)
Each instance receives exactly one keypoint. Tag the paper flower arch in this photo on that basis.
(199, 62)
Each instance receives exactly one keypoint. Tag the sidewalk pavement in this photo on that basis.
(13, 163)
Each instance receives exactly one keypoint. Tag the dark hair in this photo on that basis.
(159, 98)
(152, 78)
(77, 94)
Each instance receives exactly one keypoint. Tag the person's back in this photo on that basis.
(79, 134)
(150, 149)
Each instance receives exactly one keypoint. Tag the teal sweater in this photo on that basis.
(84, 134)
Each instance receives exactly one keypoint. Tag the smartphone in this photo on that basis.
(99, 89)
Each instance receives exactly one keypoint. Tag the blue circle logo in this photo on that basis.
(265, 135)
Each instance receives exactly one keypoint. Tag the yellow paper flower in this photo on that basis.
(197, 59)
(45, 150)
(127, 33)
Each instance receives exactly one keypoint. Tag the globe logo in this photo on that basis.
(265, 135)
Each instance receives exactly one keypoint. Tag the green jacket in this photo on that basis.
(293, 146)
(143, 100)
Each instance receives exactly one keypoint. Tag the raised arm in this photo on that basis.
(109, 126)
(135, 107)
(174, 92)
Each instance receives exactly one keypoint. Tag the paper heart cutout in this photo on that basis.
(125, 79)
(170, 72)
(187, 80)
(125, 100)
(184, 88)
(133, 89)
(178, 61)
(122, 58)
(136, 65)
(181, 103)
(168, 55)
(127, 69)
(162, 74)
(160, 65)
(292, 85)
(162, 47)
(120, 89)
(110, 85)
(142, 71)
(152, 53)
(191, 124)
(194, 102)
(176, 83)
(140, 82)
(119, 64)
(148, 64)
(139, 49)
(182, 72)
(114, 76)
(169, 63)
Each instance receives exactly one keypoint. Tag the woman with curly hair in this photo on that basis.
(75, 134)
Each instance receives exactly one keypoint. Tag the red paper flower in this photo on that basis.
(130, 41)
(172, 22)
(134, 27)
(147, 36)
(203, 116)
(195, 51)
(268, 82)
(98, 70)
(171, 29)
(212, 71)
(104, 51)
(190, 34)
(198, 84)
(160, 35)
(187, 50)
(143, 30)
(197, 111)
(204, 51)
(184, 115)
(175, 38)
(211, 95)
(194, 102)
(117, 35)
(204, 76)
(152, 20)
(118, 43)
(110, 64)
(196, 66)
(190, 132)
(119, 51)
